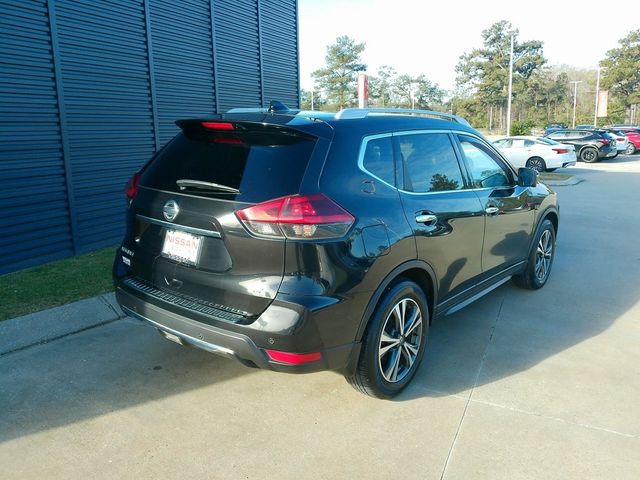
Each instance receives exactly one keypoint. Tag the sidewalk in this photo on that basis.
(47, 325)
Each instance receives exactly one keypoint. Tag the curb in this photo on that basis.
(48, 325)
(562, 183)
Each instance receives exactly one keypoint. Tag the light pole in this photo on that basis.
(575, 98)
(510, 88)
(595, 115)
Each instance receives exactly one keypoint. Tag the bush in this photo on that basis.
(522, 128)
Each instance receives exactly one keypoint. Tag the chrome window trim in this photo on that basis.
(366, 139)
(177, 226)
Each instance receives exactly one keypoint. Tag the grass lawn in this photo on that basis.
(56, 283)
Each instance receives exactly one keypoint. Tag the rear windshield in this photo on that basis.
(246, 167)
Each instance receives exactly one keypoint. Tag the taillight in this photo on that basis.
(605, 141)
(297, 217)
(131, 188)
(560, 150)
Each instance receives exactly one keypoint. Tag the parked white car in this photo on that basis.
(540, 153)
(622, 143)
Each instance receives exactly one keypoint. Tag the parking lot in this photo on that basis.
(520, 384)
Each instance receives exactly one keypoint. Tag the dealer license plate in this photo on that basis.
(182, 246)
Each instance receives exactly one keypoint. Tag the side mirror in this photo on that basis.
(527, 177)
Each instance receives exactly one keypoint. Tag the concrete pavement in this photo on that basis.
(518, 385)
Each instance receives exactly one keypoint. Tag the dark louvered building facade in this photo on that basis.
(90, 89)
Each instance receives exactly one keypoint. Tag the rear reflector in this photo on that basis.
(218, 125)
(131, 188)
(560, 150)
(293, 358)
(297, 217)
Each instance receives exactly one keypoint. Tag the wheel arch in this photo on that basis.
(417, 271)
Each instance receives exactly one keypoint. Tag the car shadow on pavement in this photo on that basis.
(104, 369)
(594, 283)
(125, 364)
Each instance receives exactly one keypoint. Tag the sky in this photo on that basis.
(428, 37)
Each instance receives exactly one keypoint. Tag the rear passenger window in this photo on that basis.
(430, 163)
(378, 159)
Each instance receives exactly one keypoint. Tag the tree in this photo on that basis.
(311, 100)
(484, 72)
(338, 79)
(622, 69)
(380, 86)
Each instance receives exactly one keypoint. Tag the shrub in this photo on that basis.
(522, 128)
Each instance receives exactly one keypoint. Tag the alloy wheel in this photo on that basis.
(537, 164)
(589, 155)
(544, 253)
(400, 340)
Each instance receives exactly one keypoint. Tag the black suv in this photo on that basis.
(303, 241)
(591, 145)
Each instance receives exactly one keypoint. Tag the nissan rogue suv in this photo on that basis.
(303, 241)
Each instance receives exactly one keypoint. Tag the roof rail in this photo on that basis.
(350, 113)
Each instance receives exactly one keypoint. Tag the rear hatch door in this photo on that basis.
(186, 239)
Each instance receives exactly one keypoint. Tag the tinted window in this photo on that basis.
(546, 141)
(485, 170)
(430, 163)
(378, 159)
(558, 136)
(528, 143)
(261, 165)
(575, 135)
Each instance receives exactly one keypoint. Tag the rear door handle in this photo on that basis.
(492, 210)
(427, 219)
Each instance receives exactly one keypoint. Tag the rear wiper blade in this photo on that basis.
(185, 183)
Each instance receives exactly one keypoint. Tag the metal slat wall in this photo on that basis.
(90, 90)
(182, 62)
(35, 224)
(279, 34)
(238, 54)
(105, 75)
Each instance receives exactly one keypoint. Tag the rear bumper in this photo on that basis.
(227, 343)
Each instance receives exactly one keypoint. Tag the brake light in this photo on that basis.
(218, 125)
(293, 358)
(605, 141)
(297, 217)
(131, 188)
(560, 150)
(227, 140)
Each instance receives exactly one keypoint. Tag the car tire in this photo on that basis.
(589, 155)
(394, 342)
(540, 261)
(631, 149)
(537, 164)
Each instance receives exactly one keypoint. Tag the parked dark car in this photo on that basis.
(591, 145)
(552, 127)
(304, 241)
